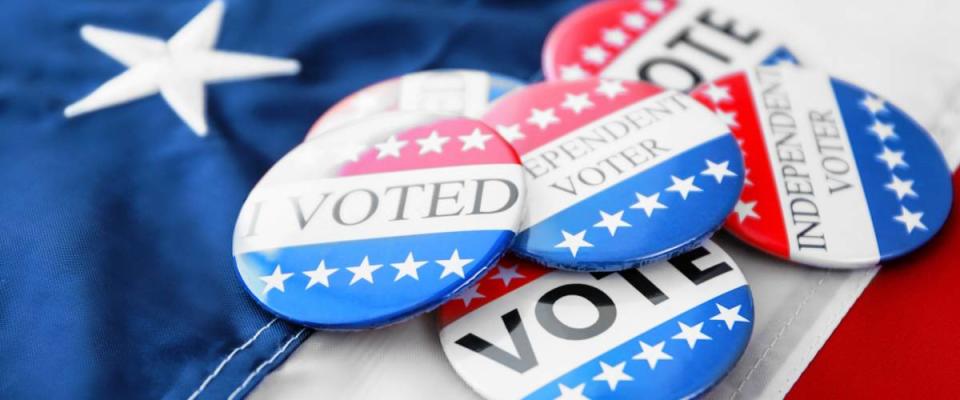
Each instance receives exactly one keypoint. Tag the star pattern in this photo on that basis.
(902, 188)
(691, 334)
(612, 222)
(612, 375)
(511, 133)
(729, 316)
(470, 294)
(615, 37)
(744, 210)
(364, 271)
(577, 102)
(683, 186)
(718, 170)
(275, 280)
(572, 72)
(408, 267)
(433, 143)
(911, 220)
(718, 94)
(507, 274)
(634, 20)
(648, 203)
(611, 88)
(454, 265)
(475, 140)
(574, 393)
(573, 242)
(729, 118)
(595, 54)
(390, 148)
(542, 118)
(178, 69)
(652, 354)
(321, 275)
(882, 130)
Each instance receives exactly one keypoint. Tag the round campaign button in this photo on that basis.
(618, 173)
(836, 176)
(379, 220)
(670, 330)
(673, 44)
(460, 92)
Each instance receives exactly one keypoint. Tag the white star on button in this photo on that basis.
(469, 294)
(275, 280)
(615, 37)
(903, 188)
(572, 72)
(364, 271)
(893, 159)
(634, 20)
(408, 267)
(612, 375)
(683, 186)
(652, 354)
(691, 334)
(612, 222)
(542, 118)
(577, 102)
(729, 316)
(433, 143)
(475, 140)
(507, 274)
(320, 275)
(178, 69)
(882, 130)
(594, 54)
(718, 94)
(575, 393)
(648, 203)
(729, 118)
(611, 89)
(718, 170)
(510, 133)
(454, 264)
(744, 210)
(391, 147)
(873, 104)
(654, 6)
(573, 242)
(909, 219)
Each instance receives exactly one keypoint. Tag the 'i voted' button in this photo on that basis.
(458, 92)
(618, 173)
(379, 220)
(837, 177)
(669, 330)
(673, 44)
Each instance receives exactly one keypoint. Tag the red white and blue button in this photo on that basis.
(671, 43)
(669, 330)
(618, 173)
(379, 220)
(837, 176)
(459, 92)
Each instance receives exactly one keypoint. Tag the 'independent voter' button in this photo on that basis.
(618, 173)
(673, 44)
(670, 330)
(379, 220)
(457, 92)
(837, 177)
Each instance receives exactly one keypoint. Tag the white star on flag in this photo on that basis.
(744, 210)
(507, 274)
(577, 102)
(691, 334)
(612, 375)
(433, 143)
(454, 264)
(903, 188)
(634, 20)
(718, 94)
(683, 186)
(729, 316)
(652, 354)
(575, 393)
(475, 140)
(572, 72)
(648, 203)
(469, 294)
(594, 54)
(718, 170)
(510, 133)
(729, 118)
(364, 271)
(612, 222)
(893, 159)
(320, 275)
(275, 280)
(178, 69)
(542, 118)
(408, 267)
(573, 242)
(874, 104)
(391, 147)
(909, 219)
(611, 88)
(882, 130)
(615, 37)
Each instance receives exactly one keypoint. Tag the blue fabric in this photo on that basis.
(116, 276)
